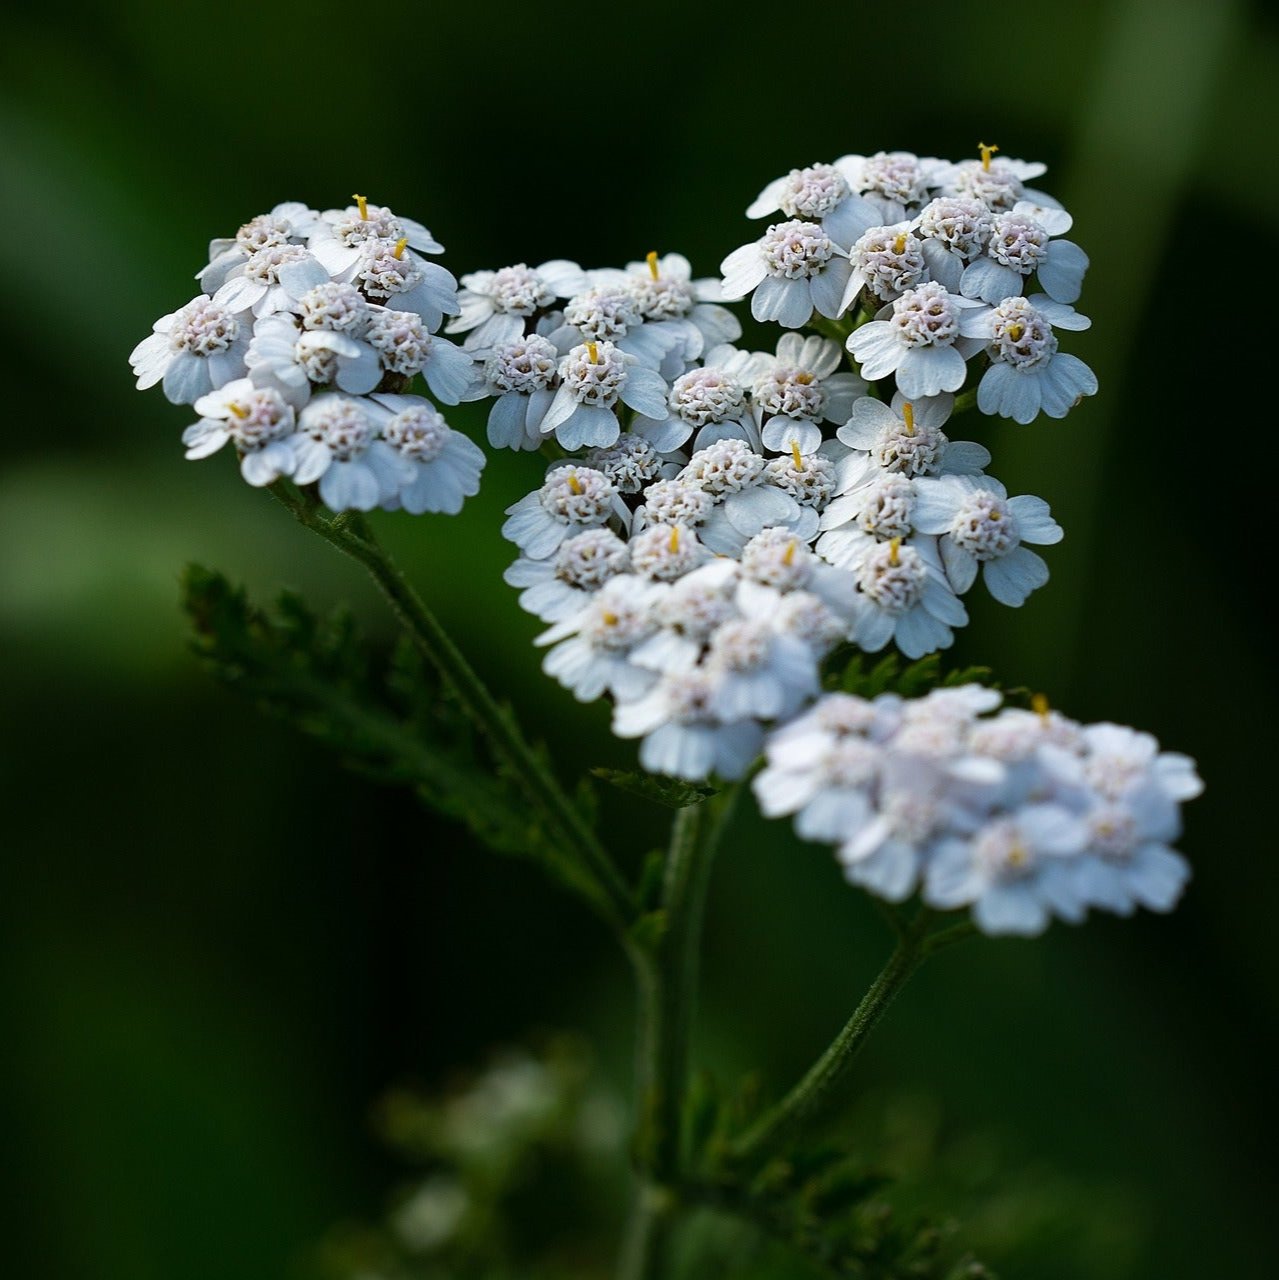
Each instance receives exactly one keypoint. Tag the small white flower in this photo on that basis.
(611, 312)
(710, 397)
(341, 237)
(1020, 246)
(792, 269)
(338, 445)
(675, 501)
(444, 464)
(695, 607)
(594, 378)
(953, 230)
(258, 420)
(591, 653)
(495, 306)
(886, 262)
(385, 272)
(405, 348)
(998, 184)
(919, 342)
(271, 280)
(904, 596)
(982, 528)
(520, 374)
(572, 499)
(337, 307)
(291, 361)
(810, 480)
(812, 192)
(288, 223)
(192, 350)
(683, 734)
(874, 512)
(663, 553)
(561, 586)
(905, 438)
(1027, 374)
(799, 389)
(668, 296)
(632, 463)
(762, 673)
(1016, 871)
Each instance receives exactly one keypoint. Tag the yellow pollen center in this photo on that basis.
(987, 150)
(239, 410)
(575, 484)
(804, 379)
(899, 245)
(363, 203)
(400, 246)
(795, 453)
(908, 417)
(789, 558)
(895, 552)
(674, 543)
(1039, 705)
(651, 259)
(592, 353)
(1017, 856)
(609, 619)
(1015, 331)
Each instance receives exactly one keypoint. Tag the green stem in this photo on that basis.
(820, 1087)
(667, 977)
(601, 881)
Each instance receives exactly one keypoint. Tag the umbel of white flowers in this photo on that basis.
(726, 519)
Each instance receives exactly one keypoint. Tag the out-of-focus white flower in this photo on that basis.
(560, 586)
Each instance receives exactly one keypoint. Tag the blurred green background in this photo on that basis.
(218, 948)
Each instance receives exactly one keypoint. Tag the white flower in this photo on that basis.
(761, 673)
(665, 552)
(561, 586)
(1020, 246)
(982, 528)
(799, 389)
(792, 269)
(496, 305)
(338, 445)
(812, 192)
(809, 480)
(886, 261)
(338, 307)
(594, 378)
(919, 342)
(711, 397)
(572, 499)
(776, 561)
(288, 223)
(695, 607)
(906, 438)
(953, 230)
(520, 375)
(404, 347)
(998, 184)
(385, 272)
(683, 734)
(444, 464)
(291, 361)
(1027, 373)
(632, 463)
(591, 653)
(673, 501)
(732, 473)
(1017, 871)
(1128, 862)
(192, 350)
(257, 419)
(668, 296)
(612, 312)
(271, 280)
(341, 236)
(874, 512)
(904, 596)
(890, 181)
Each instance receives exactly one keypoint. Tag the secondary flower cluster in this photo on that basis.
(933, 262)
(1022, 815)
(300, 351)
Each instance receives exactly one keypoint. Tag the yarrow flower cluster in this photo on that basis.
(1019, 815)
(719, 523)
(302, 352)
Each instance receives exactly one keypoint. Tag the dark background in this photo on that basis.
(218, 948)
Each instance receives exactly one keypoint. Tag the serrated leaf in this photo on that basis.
(670, 792)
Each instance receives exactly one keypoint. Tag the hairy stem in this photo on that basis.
(667, 978)
(820, 1088)
(600, 880)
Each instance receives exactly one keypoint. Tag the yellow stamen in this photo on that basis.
(651, 259)
(400, 245)
(609, 619)
(804, 379)
(592, 353)
(362, 201)
(674, 544)
(239, 410)
(574, 483)
(987, 150)
(794, 453)
(895, 552)
(1039, 705)
(899, 245)
(1015, 331)
(908, 417)
(788, 558)
(1017, 857)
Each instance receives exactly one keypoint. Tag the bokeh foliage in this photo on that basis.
(218, 948)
